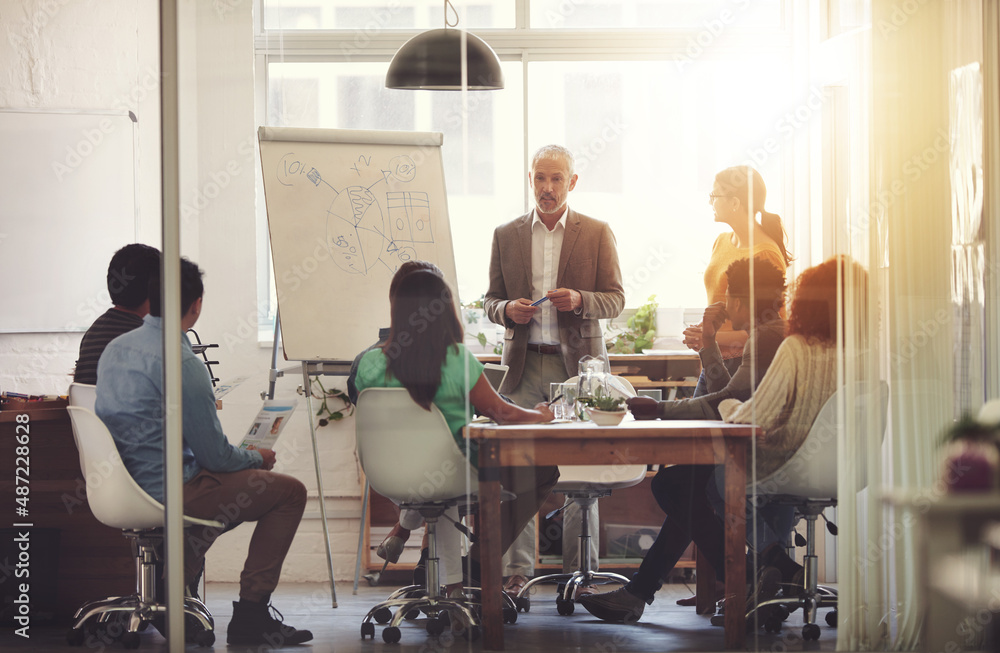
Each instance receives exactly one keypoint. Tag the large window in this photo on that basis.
(651, 114)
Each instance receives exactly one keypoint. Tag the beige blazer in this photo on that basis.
(588, 263)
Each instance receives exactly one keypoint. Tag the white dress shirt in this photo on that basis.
(545, 249)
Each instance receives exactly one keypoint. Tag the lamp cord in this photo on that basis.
(447, 6)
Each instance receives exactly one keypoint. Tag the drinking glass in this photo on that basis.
(569, 397)
(556, 403)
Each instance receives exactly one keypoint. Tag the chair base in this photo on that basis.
(565, 600)
(139, 615)
(139, 608)
(461, 616)
(811, 596)
(585, 575)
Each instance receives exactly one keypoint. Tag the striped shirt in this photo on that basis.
(106, 328)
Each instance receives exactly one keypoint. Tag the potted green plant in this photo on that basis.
(605, 409)
(639, 331)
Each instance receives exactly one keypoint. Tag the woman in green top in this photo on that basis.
(424, 354)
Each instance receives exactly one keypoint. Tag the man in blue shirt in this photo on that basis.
(221, 482)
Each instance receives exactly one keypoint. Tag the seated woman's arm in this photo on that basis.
(489, 403)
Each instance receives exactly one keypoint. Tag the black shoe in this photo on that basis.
(252, 624)
(619, 606)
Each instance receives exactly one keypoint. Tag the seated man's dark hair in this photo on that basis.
(768, 285)
(191, 288)
(129, 273)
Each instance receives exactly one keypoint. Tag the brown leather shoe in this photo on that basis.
(514, 584)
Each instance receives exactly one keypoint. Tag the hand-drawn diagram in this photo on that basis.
(367, 225)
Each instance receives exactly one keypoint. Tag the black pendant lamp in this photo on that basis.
(433, 61)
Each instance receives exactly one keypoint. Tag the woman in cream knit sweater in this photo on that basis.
(803, 374)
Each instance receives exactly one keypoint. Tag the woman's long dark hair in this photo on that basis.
(735, 182)
(424, 324)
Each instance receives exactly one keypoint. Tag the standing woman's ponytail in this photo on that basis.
(773, 227)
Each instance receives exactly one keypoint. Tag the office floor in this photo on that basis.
(664, 627)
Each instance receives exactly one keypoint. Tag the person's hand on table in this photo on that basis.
(643, 407)
(520, 310)
(268, 455)
(565, 299)
(546, 412)
(693, 338)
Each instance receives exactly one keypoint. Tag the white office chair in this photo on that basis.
(583, 485)
(117, 501)
(408, 455)
(82, 394)
(808, 481)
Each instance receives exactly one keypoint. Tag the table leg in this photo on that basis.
(489, 545)
(705, 585)
(735, 553)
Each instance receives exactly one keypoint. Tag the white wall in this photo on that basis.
(104, 53)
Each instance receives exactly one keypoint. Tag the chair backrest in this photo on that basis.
(408, 453)
(82, 394)
(812, 469)
(114, 497)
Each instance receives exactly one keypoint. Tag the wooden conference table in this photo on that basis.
(631, 442)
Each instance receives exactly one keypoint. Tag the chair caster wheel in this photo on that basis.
(367, 630)
(523, 604)
(509, 615)
(810, 632)
(391, 635)
(411, 614)
(772, 625)
(205, 638)
(130, 640)
(783, 612)
(75, 637)
(564, 607)
(382, 615)
(436, 625)
(831, 619)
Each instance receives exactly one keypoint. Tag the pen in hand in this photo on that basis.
(557, 398)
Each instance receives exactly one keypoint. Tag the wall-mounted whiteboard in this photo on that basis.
(345, 209)
(67, 202)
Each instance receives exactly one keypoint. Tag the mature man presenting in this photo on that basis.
(571, 260)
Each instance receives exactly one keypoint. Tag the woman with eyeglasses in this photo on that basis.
(729, 201)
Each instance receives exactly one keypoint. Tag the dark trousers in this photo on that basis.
(681, 492)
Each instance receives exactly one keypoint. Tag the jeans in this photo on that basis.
(767, 523)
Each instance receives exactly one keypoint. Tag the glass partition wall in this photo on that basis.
(870, 125)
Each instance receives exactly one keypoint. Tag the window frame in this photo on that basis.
(525, 45)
